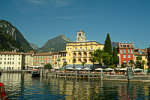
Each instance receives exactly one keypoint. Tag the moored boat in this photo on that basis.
(36, 73)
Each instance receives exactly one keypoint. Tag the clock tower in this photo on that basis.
(80, 36)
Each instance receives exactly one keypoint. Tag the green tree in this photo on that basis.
(132, 63)
(64, 63)
(143, 64)
(138, 64)
(98, 54)
(83, 64)
(58, 62)
(107, 59)
(47, 66)
(73, 61)
(115, 57)
(93, 60)
(123, 65)
(102, 57)
(108, 45)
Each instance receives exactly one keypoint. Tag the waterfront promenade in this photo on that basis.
(112, 76)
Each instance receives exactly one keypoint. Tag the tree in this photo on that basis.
(107, 59)
(58, 62)
(115, 57)
(98, 54)
(74, 60)
(138, 64)
(83, 63)
(102, 57)
(143, 64)
(123, 65)
(64, 64)
(108, 45)
(132, 63)
(93, 60)
(47, 66)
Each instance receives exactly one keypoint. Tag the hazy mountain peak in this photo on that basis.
(57, 43)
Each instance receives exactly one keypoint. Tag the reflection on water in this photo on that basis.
(23, 87)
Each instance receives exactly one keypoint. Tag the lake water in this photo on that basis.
(23, 87)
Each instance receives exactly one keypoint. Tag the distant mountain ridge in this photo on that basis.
(34, 46)
(8, 29)
(55, 44)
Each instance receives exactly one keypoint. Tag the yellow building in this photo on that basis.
(80, 51)
(62, 58)
(141, 55)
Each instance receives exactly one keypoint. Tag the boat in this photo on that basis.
(3, 95)
(36, 73)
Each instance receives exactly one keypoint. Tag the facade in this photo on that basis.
(62, 58)
(28, 60)
(80, 51)
(125, 53)
(40, 59)
(11, 61)
(141, 55)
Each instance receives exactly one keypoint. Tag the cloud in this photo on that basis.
(55, 3)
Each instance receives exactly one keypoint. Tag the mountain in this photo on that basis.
(8, 30)
(55, 44)
(34, 46)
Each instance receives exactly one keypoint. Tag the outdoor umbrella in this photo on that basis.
(98, 69)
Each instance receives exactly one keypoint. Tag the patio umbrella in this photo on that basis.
(109, 69)
(98, 69)
(69, 68)
(78, 68)
(56, 67)
(87, 68)
(138, 69)
(123, 69)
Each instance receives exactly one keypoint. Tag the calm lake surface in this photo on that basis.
(23, 87)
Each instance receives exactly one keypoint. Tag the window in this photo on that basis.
(120, 51)
(128, 61)
(124, 62)
(124, 56)
(129, 56)
(75, 49)
(80, 48)
(128, 50)
(124, 51)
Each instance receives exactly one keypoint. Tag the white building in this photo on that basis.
(28, 60)
(11, 61)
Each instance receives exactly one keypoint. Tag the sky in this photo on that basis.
(40, 20)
